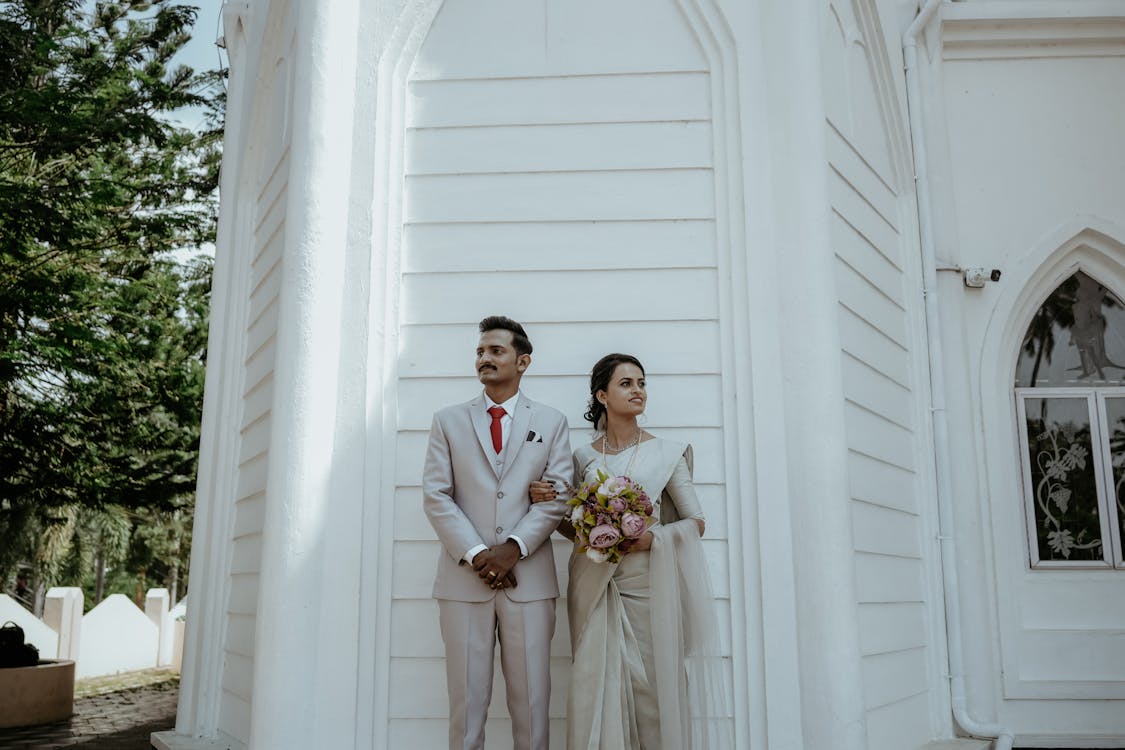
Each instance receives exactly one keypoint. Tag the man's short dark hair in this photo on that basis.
(519, 337)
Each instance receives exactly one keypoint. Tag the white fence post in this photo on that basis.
(156, 607)
(62, 611)
(179, 616)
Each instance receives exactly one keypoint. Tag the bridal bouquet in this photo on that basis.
(608, 514)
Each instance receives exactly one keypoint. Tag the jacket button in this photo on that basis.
(500, 495)
(499, 529)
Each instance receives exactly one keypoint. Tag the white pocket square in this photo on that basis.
(534, 437)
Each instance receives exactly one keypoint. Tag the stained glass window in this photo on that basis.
(1076, 339)
(1070, 396)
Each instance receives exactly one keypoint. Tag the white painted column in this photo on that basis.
(306, 644)
(62, 611)
(832, 707)
(768, 702)
(197, 713)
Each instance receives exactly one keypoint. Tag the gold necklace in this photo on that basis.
(635, 445)
(605, 443)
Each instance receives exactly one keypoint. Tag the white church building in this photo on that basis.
(869, 253)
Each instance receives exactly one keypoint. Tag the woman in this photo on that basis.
(640, 681)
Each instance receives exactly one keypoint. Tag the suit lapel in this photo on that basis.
(518, 435)
(481, 423)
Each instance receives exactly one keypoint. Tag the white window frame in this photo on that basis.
(1112, 557)
(1118, 558)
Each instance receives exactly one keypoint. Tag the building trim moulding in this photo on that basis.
(1003, 29)
(891, 105)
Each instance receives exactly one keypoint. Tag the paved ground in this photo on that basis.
(119, 720)
(117, 713)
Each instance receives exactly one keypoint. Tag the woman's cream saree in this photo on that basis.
(647, 671)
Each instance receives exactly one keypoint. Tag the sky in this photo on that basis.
(201, 52)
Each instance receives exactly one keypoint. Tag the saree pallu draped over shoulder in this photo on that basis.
(647, 671)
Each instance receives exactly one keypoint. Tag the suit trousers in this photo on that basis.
(470, 631)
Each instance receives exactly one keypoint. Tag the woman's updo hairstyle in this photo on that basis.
(599, 381)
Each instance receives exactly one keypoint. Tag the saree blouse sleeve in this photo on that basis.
(681, 490)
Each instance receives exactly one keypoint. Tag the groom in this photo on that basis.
(496, 572)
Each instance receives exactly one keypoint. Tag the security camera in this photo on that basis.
(976, 278)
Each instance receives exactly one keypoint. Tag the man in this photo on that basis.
(496, 571)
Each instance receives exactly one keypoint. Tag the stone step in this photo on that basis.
(958, 744)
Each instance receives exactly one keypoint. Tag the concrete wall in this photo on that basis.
(115, 636)
(1026, 116)
(35, 631)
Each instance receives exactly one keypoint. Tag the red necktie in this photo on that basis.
(497, 412)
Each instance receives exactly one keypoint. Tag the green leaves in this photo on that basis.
(103, 323)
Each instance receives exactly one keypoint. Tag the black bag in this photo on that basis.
(13, 651)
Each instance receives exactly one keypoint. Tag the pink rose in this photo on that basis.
(604, 536)
(632, 525)
(617, 505)
(647, 505)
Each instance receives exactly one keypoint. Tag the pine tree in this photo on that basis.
(102, 324)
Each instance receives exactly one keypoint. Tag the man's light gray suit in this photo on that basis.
(472, 496)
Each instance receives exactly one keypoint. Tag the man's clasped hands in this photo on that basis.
(494, 565)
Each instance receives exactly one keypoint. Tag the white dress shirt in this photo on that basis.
(509, 408)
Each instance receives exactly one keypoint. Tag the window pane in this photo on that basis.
(1063, 481)
(1115, 415)
(1077, 338)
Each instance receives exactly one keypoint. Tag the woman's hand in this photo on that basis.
(643, 543)
(542, 492)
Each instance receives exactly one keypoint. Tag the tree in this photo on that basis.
(102, 326)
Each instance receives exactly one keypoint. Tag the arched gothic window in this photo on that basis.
(1070, 397)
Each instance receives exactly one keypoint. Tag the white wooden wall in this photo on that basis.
(874, 242)
(267, 160)
(559, 171)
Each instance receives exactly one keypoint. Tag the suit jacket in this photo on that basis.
(472, 496)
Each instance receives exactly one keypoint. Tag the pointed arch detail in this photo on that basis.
(1087, 244)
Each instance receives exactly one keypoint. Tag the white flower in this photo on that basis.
(597, 555)
(613, 486)
(576, 514)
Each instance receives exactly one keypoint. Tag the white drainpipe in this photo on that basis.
(1004, 737)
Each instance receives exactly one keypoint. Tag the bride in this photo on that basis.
(646, 673)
